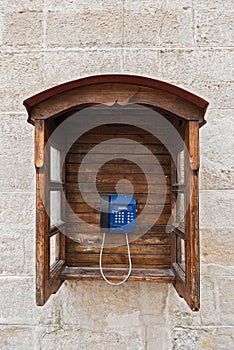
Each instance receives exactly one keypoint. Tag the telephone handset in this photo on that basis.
(117, 215)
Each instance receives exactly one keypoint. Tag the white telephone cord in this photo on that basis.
(129, 259)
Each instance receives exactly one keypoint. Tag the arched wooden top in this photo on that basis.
(112, 88)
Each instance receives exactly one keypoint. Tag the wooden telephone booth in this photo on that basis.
(68, 236)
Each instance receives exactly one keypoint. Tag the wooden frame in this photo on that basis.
(187, 112)
(47, 281)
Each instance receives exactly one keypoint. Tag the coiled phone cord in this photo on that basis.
(129, 259)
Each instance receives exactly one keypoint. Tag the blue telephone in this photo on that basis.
(118, 213)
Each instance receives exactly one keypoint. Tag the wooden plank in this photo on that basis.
(152, 209)
(124, 93)
(111, 188)
(127, 148)
(113, 132)
(159, 198)
(114, 178)
(86, 253)
(93, 218)
(112, 167)
(39, 144)
(179, 281)
(55, 281)
(98, 158)
(192, 259)
(138, 274)
(109, 259)
(82, 227)
(47, 281)
(95, 239)
(42, 219)
(156, 249)
(56, 229)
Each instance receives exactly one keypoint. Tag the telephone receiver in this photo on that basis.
(117, 215)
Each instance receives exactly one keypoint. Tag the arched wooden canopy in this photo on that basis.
(112, 88)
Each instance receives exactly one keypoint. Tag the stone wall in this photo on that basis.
(47, 42)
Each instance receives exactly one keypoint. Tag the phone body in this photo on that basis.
(118, 213)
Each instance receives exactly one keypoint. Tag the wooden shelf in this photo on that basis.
(117, 274)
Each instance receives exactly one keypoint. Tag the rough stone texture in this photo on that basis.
(82, 5)
(16, 338)
(214, 27)
(21, 76)
(13, 176)
(57, 65)
(44, 43)
(216, 202)
(197, 65)
(147, 62)
(23, 29)
(158, 27)
(217, 170)
(77, 338)
(76, 29)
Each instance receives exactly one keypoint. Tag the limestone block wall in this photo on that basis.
(47, 42)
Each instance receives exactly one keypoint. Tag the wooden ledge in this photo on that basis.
(117, 274)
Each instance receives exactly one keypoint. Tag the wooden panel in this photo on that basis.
(47, 281)
(192, 217)
(97, 158)
(138, 274)
(94, 218)
(76, 197)
(42, 219)
(151, 249)
(111, 92)
(118, 167)
(114, 260)
(92, 239)
(111, 188)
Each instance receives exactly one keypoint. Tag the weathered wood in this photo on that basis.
(39, 144)
(158, 198)
(125, 132)
(94, 218)
(95, 238)
(105, 178)
(124, 147)
(55, 280)
(111, 188)
(82, 227)
(152, 209)
(98, 158)
(138, 274)
(155, 249)
(112, 167)
(111, 92)
(192, 216)
(47, 281)
(56, 229)
(179, 277)
(73, 259)
(42, 219)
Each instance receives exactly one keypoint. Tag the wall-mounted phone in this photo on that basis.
(117, 215)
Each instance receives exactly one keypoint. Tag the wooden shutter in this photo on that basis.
(47, 281)
(192, 215)
(185, 247)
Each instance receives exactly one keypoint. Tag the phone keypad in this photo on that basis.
(123, 217)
